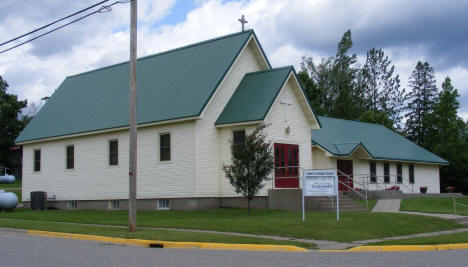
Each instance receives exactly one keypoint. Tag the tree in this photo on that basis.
(421, 101)
(447, 137)
(343, 75)
(252, 163)
(382, 91)
(10, 125)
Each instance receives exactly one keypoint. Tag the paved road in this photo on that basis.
(18, 249)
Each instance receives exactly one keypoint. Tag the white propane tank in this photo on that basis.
(8, 201)
(7, 179)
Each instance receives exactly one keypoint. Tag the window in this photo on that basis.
(399, 171)
(72, 204)
(386, 172)
(114, 204)
(70, 157)
(113, 152)
(411, 173)
(373, 172)
(163, 204)
(238, 138)
(37, 160)
(165, 147)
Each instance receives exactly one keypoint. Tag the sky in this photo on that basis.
(408, 32)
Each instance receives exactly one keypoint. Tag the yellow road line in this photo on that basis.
(170, 244)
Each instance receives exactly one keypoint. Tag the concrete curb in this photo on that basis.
(170, 244)
(403, 248)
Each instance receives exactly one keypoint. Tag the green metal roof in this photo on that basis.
(254, 96)
(343, 137)
(171, 85)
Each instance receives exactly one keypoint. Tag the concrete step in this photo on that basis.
(463, 220)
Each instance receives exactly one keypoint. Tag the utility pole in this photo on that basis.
(132, 173)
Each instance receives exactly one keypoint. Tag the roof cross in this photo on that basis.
(286, 103)
(242, 21)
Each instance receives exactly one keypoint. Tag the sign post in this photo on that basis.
(320, 183)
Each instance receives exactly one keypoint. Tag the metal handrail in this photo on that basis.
(340, 173)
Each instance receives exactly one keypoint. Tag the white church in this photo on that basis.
(193, 101)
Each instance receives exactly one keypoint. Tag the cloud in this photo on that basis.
(408, 31)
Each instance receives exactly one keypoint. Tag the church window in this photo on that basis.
(113, 152)
(37, 160)
(238, 138)
(373, 172)
(399, 173)
(70, 150)
(165, 147)
(386, 172)
(411, 173)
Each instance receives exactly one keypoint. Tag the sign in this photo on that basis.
(320, 183)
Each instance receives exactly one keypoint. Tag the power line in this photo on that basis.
(52, 23)
(103, 9)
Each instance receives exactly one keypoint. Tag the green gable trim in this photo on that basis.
(254, 96)
(342, 137)
(307, 98)
(172, 85)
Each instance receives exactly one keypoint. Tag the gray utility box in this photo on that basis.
(38, 200)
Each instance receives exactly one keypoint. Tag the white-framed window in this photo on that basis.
(163, 204)
(37, 160)
(165, 147)
(114, 204)
(70, 157)
(113, 152)
(72, 204)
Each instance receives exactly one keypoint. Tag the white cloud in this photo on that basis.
(287, 31)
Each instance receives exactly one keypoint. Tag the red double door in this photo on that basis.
(286, 166)
(345, 174)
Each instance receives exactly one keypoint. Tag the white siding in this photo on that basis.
(300, 128)
(94, 179)
(424, 174)
(209, 176)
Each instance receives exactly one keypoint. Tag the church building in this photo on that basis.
(193, 102)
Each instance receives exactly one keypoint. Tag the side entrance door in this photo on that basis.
(345, 167)
(286, 166)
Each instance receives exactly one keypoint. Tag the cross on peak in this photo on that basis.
(286, 103)
(243, 22)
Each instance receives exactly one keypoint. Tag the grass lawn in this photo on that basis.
(434, 205)
(370, 202)
(318, 225)
(430, 240)
(148, 234)
(16, 184)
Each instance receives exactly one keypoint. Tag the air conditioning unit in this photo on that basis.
(38, 200)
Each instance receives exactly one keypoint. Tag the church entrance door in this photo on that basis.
(345, 167)
(286, 166)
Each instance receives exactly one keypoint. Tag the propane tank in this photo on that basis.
(8, 201)
(7, 179)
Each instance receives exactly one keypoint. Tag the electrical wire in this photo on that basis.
(52, 23)
(103, 9)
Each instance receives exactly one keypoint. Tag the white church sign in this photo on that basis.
(320, 183)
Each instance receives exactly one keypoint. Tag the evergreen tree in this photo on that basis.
(421, 101)
(342, 83)
(10, 125)
(382, 92)
(447, 138)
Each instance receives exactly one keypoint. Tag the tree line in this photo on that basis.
(338, 86)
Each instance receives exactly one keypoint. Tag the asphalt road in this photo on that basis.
(19, 249)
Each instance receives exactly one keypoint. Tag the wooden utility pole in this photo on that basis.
(132, 173)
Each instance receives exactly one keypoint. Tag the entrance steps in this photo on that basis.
(290, 199)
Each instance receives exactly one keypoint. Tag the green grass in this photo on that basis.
(430, 240)
(434, 205)
(148, 234)
(370, 202)
(17, 192)
(16, 184)
(318, 225)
